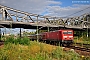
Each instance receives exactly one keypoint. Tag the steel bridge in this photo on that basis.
(13, 18)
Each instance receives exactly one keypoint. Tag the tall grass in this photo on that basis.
(24, 49)
(36, 51)
(68, 55)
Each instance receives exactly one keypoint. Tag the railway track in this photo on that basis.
(79, 49)
(77, 46)
(83, 45)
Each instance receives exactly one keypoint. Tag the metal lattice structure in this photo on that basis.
(13, 16)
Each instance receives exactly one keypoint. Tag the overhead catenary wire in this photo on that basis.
(77, 12)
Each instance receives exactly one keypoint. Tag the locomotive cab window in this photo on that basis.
(65, 32)
(69, 32)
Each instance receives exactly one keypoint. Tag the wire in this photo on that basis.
(78, 11)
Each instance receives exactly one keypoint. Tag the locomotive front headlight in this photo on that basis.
(70, 36)
(64, 36)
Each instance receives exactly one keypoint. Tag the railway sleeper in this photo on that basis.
(88, 49)
(76, 47)
(83, 49)
(73, 47)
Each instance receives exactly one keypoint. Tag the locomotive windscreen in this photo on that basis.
(67, 32)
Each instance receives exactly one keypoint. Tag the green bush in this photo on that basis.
(24, 40)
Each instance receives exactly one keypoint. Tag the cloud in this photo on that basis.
(32, 6)
(65, 11)
(45, 7)
(3, 2)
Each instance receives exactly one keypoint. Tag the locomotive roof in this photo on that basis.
(61, 30)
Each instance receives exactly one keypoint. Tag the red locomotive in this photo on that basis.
(60, 36)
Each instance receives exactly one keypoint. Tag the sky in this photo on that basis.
(57, 8)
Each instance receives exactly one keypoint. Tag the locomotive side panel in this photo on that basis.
(60, 35)
(53, 36)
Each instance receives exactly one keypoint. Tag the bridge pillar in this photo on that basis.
(0, 34)
(48, 29)
(88, 33)
(20, 33)
(87, 26)
(37, 29)
(3, 14)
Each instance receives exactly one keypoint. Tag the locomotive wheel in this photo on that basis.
(68, 44)
(47, 42)
(59, 43)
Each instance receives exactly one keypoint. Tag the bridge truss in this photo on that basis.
(13, 16)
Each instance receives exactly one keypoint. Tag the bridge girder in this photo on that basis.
(45, 21)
